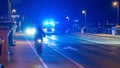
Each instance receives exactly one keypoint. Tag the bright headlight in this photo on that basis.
(53, 29)
(30, 31)
(39, 40)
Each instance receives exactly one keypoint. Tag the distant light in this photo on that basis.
(45, 30)
(30, 31)
(52, 23)
(49, 23)
(115, 3)
(76, 20)
(67, 17)
(46, 23)
(83, 11)
(14, 10)
(39, 40)
(53, 30)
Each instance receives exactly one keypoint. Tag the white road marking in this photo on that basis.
(80, 66)
(43, 63)
(71, 48)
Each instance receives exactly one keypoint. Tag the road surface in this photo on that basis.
(72, 51)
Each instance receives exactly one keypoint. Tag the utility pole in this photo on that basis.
(9, 10)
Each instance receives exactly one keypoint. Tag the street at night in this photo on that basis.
(59, 34)
(78, 51)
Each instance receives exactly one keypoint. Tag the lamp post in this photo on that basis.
(13, 11)
(84, 12)
(67, 18)
(82, 29)
(12, 15)
(9, 10)
(116, 4)
(68, 24)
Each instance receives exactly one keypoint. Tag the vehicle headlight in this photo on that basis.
(30, 31)
(53, 30)
(39, 40)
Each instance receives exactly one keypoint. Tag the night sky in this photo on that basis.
(97, 10)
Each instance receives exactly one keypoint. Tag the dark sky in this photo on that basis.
(97, 10)
(3, 7)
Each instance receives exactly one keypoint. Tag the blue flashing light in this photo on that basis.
(52, 23)
(49, 23)
(46, 23)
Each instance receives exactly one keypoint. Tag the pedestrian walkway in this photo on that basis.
(23, 55)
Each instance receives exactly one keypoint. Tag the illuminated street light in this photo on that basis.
(84, 12)
(83, 28)
(67, 18)
(13, 14)
(13, 11)
(116, 4)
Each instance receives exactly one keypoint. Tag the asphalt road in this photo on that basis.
(70, 51)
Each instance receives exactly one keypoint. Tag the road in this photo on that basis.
(71, 51)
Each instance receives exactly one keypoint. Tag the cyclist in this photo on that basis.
(39, 33)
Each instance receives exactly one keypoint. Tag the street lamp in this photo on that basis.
(13, 11)
(116, 4)
(84, 12)
(83, 28)
(9, 10)
(12, 15)
(67, 18)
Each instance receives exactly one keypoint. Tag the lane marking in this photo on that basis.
(80, 66)
(71, 48)
(43, 63)
(68, 47)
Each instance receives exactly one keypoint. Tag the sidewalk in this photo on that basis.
(23, 56)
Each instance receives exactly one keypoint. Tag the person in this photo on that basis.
(39, 33)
